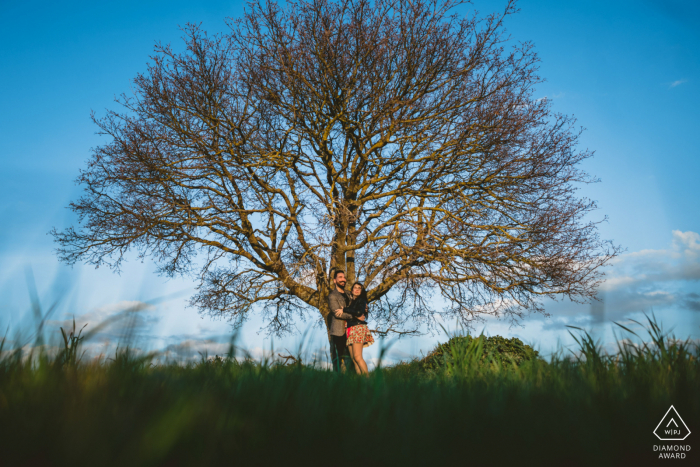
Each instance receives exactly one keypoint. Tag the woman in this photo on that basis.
(358, 334)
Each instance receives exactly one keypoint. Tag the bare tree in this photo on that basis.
(394, 139)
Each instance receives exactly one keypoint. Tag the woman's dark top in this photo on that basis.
(356, 308)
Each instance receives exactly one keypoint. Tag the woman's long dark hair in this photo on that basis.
(363, 294)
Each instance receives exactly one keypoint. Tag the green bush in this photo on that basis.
(481, 349)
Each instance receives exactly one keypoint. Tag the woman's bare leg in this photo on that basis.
(352, 355)
(359, 360)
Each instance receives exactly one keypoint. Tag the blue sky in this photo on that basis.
(628, 70)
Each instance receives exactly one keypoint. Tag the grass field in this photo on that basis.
(472, 409)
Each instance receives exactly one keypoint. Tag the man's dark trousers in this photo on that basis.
(339, 349)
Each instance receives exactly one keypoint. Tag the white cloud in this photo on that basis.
(642, 281)
(616, 282)
(678, 83)
(557, 95)
(647, 268)
(688, 242)
(194, 348)
(114, 321)
(124, 305)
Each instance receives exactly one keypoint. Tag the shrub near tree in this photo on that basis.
(481, 350)
(401, 141)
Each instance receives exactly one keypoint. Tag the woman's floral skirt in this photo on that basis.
(360, 334)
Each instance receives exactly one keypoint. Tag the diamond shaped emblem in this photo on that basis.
(672, 427)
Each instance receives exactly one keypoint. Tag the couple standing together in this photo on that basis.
(348, 323)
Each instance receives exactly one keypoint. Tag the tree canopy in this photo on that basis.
(399, 141)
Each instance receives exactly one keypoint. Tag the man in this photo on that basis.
(338, 299)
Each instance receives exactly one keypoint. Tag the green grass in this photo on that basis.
(472, 409)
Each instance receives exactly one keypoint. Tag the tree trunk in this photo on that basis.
(324, 290)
